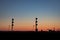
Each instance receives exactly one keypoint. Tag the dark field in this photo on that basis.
(29, 35)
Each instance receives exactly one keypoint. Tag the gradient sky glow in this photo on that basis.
(25, 11)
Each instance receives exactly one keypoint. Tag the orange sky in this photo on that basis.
(24, 13)
(27, 25)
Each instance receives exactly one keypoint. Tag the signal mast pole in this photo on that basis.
(36, 29)
(12, 24)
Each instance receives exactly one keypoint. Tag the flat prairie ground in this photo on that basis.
(29, 35)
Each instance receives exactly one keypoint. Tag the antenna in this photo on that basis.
(36, 29)
(12, 24)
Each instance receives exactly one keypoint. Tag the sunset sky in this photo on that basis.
(24, 13)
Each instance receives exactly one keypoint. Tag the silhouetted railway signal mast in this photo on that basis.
(36, 29)
(12, 24)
